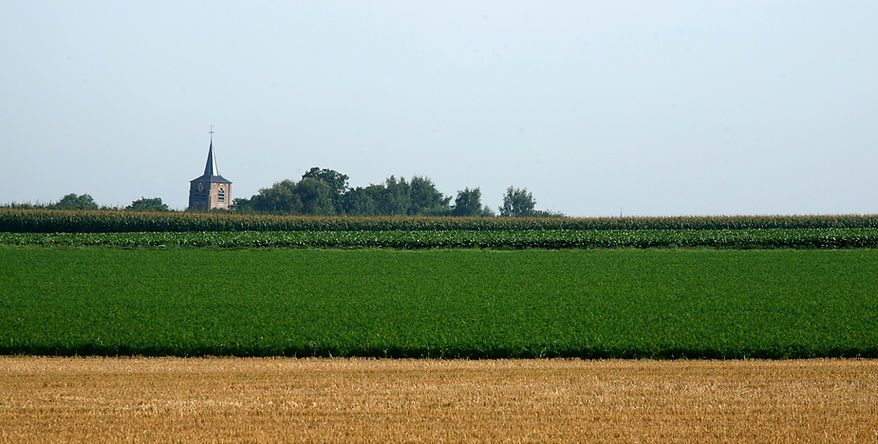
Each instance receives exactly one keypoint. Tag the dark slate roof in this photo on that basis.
(212, 179)
(210, 171)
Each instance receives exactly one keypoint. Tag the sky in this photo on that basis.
(596, 107)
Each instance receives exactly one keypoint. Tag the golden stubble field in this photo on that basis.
(361, 400)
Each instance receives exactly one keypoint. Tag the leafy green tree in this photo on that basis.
(338, 184)
(316, 196)
(148, 204)
(544, 213)
(75, 201)
(468, 203)
(425, 198)
(278, 198)
(242, 205)
(396, 198)
(517, 202)
(363, 201)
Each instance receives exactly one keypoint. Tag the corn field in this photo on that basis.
(60, 221)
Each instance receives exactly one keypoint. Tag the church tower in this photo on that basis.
(210, 190)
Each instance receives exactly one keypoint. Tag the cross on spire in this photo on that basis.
(211, 133)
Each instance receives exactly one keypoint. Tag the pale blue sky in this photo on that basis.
(654, 107)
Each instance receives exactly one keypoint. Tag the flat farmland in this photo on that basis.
(367, 400)
(621, 303)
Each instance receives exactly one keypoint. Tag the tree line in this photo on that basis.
(327, 192)
(75, 201)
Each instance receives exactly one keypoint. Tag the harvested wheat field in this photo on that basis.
(233, 399)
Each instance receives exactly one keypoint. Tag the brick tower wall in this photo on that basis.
(212, 195)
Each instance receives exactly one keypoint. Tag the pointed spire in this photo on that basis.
(210, 167)
(211, 172)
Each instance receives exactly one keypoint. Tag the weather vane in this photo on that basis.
(211, 132)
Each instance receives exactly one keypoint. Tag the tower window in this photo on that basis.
(221, 195)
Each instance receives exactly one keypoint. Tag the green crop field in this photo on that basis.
(696, 303)
(502, 239)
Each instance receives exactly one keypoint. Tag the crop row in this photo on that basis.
(53, 221)
(513, 239)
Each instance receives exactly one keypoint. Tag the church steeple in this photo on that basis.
(210, 190)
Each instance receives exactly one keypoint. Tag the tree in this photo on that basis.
(308, 196)
(396, 198)
(73, 201)
(468, 203)
(316, 196)
(517, 202)
(242, 205)
(278, 198)
(338, 184)
(425, 198)
(362, 201)
(148, 204)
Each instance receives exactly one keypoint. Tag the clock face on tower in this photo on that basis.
(200, 186)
